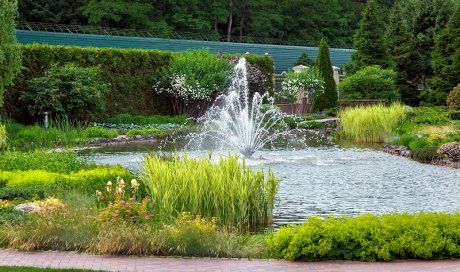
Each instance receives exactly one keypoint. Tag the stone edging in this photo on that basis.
(403, 151)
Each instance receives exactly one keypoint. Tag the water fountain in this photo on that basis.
(316, 179)
(238, 119)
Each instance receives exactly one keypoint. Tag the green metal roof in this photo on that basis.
(284, 56)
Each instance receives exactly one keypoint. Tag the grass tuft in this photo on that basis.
(371, 124)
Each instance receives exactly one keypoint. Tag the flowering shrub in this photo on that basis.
(191, 80)
(308, 79)
(49, 204)
(122, 204)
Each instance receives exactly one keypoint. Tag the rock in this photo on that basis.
(28, 207)
(137, 137)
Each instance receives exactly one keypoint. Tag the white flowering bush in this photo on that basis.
(309, 80)
(192, 80)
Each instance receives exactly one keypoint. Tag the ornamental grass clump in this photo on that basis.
(371, 124)
(238, 197)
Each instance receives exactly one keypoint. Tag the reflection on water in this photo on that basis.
(319, 177)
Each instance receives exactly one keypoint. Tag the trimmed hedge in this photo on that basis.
(370, 238)
(128, 72)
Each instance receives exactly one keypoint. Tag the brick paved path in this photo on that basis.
(133, 263)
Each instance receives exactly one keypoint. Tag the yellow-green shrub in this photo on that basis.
(371, 124)
(237, 196)
(370, 238)
(2, 136)
(12, 182)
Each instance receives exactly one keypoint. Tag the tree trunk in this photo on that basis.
(230, 19)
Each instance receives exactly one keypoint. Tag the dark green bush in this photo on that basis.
(67, 90)
(431, 116)
(128, 73)
(145, 132)
(406, 139)
(311, 125)
(126, 118)
(425, 153)
(370, 238)
(28, 192)
(454, 115)
(371, 82)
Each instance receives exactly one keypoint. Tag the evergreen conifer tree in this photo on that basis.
(400, 47)
(304, 60)
(369, 42)
(328, 99)
(10, 58)
(446, 60)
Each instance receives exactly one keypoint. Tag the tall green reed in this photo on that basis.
(371, 124)
(240, 198)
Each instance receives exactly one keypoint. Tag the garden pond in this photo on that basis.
(319, 176)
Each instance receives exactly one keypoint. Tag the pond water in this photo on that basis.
(320, 177)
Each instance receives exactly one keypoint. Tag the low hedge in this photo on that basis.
(128, 73)
(370, 238)
(41, 183)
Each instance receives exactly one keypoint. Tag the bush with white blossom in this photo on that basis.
(308, 79)
(192, 79)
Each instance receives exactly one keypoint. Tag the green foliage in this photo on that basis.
(453, 99)
(120, 13)
(61, 229)
(425, 153)
(304, 60)
(327, 99)
(3, 136)
(430, 116)
(10, 55)
(192, 79)
(145, 132)
(54, 161)
(305, 83)
(372, 82)
(66, 90)
(371, 124)
(370, 238)
(418, 143)
(265, 65)
(127, 73)
(400, 44)
(193, 236)
(240, 198)
(445, 60)
(98, 132)
(426, 20)
(126, 118)
(311, 125)
(454, 115)
(369, 41)
(406, 139)
(42, 182)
